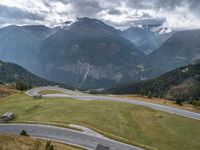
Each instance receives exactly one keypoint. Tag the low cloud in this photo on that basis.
(175, 14)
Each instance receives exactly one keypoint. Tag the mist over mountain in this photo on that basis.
(147, 37)
(21, 45)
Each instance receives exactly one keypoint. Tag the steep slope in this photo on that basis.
(181, 49)
(182, 83)
(10, 72)
(144, 38)
(90, 54)
(21, 45)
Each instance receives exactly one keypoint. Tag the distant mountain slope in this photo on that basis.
(144, 38)
(10, 72)
(181, 49)
(87, 53)
(182, 83)
(21, 45)
(90, 54)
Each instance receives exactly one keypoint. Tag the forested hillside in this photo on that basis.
(10, 73)
(182, 83)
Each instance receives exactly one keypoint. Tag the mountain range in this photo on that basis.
(90, 54)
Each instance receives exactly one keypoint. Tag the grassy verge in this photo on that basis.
(13, 142)
(132, 124)
(61, 124)
(43, 92)
(165, 102)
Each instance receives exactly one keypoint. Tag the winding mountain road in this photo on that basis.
(83, 96)
(63, 135)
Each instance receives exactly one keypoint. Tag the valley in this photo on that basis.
(99, 75)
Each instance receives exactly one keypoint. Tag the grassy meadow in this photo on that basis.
(133, 124)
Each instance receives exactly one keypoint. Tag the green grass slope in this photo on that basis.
(128, 123)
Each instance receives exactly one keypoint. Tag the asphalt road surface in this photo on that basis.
(82, 96)
(67, 136)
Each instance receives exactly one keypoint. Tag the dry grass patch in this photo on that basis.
(6, 90)
(13, 142)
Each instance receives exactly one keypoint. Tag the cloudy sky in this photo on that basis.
(176, 14)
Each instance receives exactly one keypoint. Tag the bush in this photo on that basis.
(149, 95)
(23, 133)
(20, 85)
(178, 101)
(196, 102)
(49, 146)
(37, 96)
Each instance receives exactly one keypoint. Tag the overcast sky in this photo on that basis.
(176, 14)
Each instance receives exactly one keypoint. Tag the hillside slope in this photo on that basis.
(182, 49)
(10, 72)
(182, 83)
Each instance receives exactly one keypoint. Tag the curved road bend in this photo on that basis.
(67, 136)
(82, 96)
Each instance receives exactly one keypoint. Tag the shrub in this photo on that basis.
(178, 101)
(49, 146)
(37, 96)
(196, 102)
(20, 85)
(149, 94)
(23, 133)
